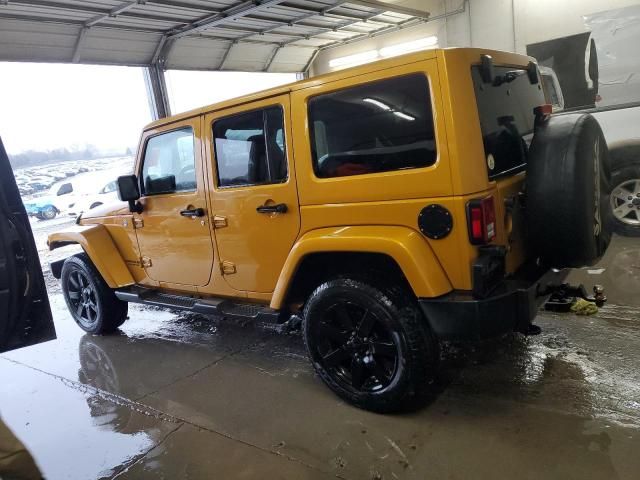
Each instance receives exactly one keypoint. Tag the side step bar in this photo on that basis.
(211, 306)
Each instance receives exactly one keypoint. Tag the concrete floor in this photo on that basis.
(184, 396)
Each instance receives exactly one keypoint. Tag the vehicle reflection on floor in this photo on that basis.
(178, 395)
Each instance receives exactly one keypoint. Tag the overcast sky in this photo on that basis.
(47, 106)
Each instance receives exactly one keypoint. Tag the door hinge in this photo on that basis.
(138, 223)
(227, 268)
(145, 262)
(219, 221)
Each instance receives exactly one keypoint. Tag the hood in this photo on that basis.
(107, 210)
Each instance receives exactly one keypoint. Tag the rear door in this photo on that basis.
(173, 232)
(25, 315)
(255, 197)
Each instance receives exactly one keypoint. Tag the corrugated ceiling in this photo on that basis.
(254, 35)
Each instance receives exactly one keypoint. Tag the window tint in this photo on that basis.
(64, 189)
(376, 127)
(506, 117)
(169, 163)
(109, 187)
(250, 148)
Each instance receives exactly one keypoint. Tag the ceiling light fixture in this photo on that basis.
(405, 116)
(377, 103)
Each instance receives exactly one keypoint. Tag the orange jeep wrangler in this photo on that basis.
(390, 206)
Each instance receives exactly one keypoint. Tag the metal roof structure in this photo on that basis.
(251, 35)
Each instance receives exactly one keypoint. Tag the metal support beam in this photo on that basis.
(226, 55)
(123, 7)
(271, 58)
(158, 50)
(389, 7)
(406, 24)
(77, 51)
(314, 55)
(238, 11)
(157, 94)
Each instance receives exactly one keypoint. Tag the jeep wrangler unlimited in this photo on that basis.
(387, 206)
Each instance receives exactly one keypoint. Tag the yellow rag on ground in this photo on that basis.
(582, 307)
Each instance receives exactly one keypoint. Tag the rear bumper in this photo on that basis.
(510, 308)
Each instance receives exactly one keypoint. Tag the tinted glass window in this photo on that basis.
(506, 117)
(64, 189)
(250, 148)
(169, 163)
(375, 127)
(109, 187)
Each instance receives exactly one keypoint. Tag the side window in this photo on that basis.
(169, 163)
(64, 189)
(375, 127)
(250, 148)
(109, 187)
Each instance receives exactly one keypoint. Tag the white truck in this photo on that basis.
(598, 71)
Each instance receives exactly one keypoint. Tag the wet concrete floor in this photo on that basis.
(185, 396)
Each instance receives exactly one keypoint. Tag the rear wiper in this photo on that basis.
(507, 77)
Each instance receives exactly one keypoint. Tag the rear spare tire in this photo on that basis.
(567, 191)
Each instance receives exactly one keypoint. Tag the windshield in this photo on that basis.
(507, 120)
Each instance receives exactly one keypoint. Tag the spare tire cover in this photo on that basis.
(567, 191)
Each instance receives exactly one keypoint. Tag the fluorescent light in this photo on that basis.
(407, 47)
(357, 59)
(405, 116)
(377, 103)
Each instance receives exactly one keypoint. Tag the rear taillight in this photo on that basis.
(481, 218)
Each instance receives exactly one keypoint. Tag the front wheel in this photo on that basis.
(91, 302)
(371, 346)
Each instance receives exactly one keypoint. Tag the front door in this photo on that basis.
(173, 231)
(25, 316)
(255, 200)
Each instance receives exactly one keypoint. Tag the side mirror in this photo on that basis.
(128, 191)
(532, 73)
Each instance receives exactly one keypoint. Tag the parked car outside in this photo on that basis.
(107, 194)
(619, 125)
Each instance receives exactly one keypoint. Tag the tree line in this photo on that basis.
(32, 158)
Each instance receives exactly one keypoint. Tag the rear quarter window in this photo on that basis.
(374, 127)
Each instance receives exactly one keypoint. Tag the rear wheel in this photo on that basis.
(92, 304)
(371, 346)
(49, 212)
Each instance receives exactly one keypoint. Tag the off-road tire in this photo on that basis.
(568, 184)
(396, 312)
(92, 304)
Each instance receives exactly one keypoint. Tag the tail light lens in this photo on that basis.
(481, 218)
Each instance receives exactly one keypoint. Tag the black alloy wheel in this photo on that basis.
(370, 345)
(357, 349)
(92, 304)
(82, 299)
